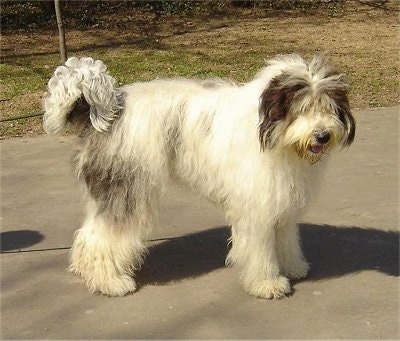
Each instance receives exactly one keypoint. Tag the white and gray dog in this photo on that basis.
(256, 150)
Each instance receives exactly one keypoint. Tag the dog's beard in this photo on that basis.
(310, 152)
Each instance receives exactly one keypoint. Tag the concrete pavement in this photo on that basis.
(350, 236)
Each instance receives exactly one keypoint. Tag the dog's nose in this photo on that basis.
(322, 136)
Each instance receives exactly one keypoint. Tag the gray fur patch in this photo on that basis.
(118, 186)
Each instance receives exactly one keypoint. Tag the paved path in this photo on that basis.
(350, 236)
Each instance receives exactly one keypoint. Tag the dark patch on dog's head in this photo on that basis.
(275, 104)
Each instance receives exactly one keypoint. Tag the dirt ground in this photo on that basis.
(361, 39)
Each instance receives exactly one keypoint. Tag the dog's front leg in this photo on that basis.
(254, 252)
(291, 259)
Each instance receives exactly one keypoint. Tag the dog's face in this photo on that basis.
(306, 108)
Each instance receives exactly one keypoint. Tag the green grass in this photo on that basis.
(129, 66)
(17, 80)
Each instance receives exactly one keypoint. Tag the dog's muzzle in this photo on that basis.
(321, 137)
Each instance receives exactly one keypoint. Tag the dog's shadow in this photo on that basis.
(332, 252)
(183, 257)
(20, 239)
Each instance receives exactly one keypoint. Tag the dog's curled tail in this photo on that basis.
(81, 91)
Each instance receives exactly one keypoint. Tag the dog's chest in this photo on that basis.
(291, 186)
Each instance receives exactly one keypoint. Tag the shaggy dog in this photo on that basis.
(256, 150)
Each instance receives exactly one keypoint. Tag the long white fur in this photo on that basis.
(81, 77)
(203, 134)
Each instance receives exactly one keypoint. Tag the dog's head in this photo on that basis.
(306, 107)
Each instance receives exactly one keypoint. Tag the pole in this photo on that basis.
(61, 31)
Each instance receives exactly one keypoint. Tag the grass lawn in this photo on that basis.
(362, 40)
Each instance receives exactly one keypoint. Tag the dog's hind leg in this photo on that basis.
(106, 252)
(121, 211)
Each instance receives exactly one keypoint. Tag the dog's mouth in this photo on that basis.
(316, 148)
(313, 153)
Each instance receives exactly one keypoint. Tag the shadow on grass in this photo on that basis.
(151, 37)
(332, 252)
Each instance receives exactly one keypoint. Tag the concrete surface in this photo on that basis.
(350, 236)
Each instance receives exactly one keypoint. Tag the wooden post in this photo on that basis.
(61, 31)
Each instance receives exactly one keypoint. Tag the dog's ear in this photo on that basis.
(334, 85)
(336, 88)
(342, 108)
(275, 104)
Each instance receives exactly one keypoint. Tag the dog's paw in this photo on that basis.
(114, 286)
(297, 271)
(111, 285)
(270, 288)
